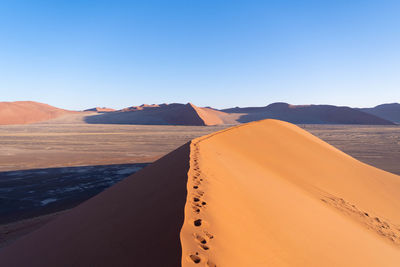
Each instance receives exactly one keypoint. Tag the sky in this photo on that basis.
(79, 54)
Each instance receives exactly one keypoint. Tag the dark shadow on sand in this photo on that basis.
(136, 222)
(30, 193)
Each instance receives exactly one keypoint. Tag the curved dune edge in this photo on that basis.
(25, 112)
(268, 193)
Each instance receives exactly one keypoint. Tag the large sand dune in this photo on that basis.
(164, 114)
(310, 114)
(387, 111)
(22, 112)
(260, 194)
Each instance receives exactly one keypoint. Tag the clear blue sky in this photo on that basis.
(78, 54)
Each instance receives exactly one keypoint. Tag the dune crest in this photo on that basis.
(100, 109)
(163, 114)
(23, 112)
(270, 194)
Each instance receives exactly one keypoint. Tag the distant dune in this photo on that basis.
(307, 114)
(265, 193)
(189, 114)
(100, 109)
(164, 114)
(389, 112)
(22, 112)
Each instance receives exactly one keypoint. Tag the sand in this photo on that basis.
(23, 112)
(134, 223)
(100, 109)
(311, 114)
(274, 195)
(260, 194)
(164, 114)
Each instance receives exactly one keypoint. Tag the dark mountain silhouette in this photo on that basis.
(318, 114)
(389, 112)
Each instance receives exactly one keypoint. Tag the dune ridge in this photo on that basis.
(265, 193)
(164, 114)
(308, 114)
(100, 109)
(23, 112)
(270, 194)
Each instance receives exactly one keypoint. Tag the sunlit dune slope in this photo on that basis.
(22, 112)
(270, 194)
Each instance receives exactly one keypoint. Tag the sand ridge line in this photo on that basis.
(201, 236)
(196, 194)
(196, 199)
(383, 228)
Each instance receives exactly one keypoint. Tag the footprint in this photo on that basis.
(205, 247)
(199, 193)
(196, 259)
(197, 210)
(197, 222)
(201, 239)
(196, 199)
(211, 264)
(195, 187)
(210, 236)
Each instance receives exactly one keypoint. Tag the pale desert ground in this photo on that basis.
(304, 198)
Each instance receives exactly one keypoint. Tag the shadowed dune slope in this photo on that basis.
(270, 194)
(100, 109)
(134, 223)
(314, 114)
(164, 114)
(23, 112)
(387, 111)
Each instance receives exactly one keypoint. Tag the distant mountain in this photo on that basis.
(23, 112)
(307, 114)
(163, 114)
(100, 109)
(389, 112)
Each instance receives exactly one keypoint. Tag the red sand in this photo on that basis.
(23, 112)
(260, 194)
(100, 109)
(170, 114)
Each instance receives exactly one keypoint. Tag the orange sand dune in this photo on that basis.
(22, 112)
(270, 194)
(260, 194)
(172, 114)
(100, 109)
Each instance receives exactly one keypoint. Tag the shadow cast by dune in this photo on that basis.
(136, 222)
(137, 117)
(31, 193)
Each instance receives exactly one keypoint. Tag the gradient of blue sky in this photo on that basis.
(78, 54)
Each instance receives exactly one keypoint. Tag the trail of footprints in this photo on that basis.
(202, 237)
(381, 226)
